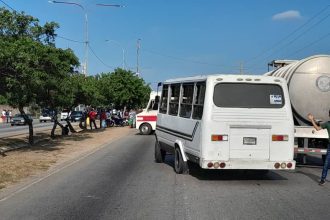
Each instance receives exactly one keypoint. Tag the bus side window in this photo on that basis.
(199, 101)
(174, 99)
(163, 101)
(186, 100)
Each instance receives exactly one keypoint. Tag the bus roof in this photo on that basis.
(225, 77)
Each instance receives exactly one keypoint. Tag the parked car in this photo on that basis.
(65, 114)
(46, 115)
(76, 116)
(18, 119)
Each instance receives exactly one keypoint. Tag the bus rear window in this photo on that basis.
(248, 95)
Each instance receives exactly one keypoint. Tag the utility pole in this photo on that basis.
(138, 45)
(85, 65)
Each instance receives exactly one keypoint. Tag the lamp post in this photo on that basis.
(85, 66)
(123, 50)
(138, 45)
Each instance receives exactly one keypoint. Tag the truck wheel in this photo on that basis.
(179, 165)
(145, 129)
(159, 153)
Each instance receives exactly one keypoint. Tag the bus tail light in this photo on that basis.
(277, 165)
(216, 165)
(280, 137)
(289, 165)
(223, 165)
(219, 137)
(283, 165)
(210, 164)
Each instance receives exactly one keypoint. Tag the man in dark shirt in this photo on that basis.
(325, 125)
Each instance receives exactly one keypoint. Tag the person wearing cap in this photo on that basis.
(325, 125)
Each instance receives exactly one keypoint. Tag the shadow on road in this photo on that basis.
(207, 175)
(43, 141)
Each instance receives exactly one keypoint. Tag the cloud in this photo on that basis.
(287, 15)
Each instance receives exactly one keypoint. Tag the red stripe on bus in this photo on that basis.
(147, 118)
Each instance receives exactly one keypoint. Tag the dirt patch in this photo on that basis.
(49, 153)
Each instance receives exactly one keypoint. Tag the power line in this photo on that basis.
(68, 39)
(187, 60)
(7, 5)
(290, 34)
(300, 35)
(99, 58)
(310, 44)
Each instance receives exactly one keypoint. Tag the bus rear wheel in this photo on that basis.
(145, 129)
(179, 165)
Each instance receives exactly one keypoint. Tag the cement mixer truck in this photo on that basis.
(309, 90)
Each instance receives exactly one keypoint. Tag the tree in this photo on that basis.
(30, 65)
(56, 88)
(124, 89)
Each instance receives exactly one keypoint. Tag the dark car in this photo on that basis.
(76, 116)
(18, 119)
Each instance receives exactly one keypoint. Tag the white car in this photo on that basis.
(45, 118)
(65, 114)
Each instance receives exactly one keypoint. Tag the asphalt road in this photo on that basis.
(121, 181)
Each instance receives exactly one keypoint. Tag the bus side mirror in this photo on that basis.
(155, 107)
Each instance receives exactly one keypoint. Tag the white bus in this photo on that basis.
(146, 120)
(226, 122)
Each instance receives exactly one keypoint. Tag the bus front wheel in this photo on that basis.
(145, 129)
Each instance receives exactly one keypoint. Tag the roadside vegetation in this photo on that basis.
(33, 71)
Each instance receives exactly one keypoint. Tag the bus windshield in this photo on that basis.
(248, 95)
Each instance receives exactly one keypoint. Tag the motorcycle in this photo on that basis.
(115, 121)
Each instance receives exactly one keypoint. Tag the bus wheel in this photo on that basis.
(159, 153)
(145, 129)
(179, 165)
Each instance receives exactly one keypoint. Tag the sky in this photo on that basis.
(186, 37)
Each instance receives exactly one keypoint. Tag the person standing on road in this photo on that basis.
(92, 116)
(325, 125)
(103, 118)
(7, 116)
(3, 115)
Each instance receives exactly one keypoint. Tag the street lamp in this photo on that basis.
(116, 42)
(85, 66)
(138, 45)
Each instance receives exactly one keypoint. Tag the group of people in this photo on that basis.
(6, 115)
(105, 116)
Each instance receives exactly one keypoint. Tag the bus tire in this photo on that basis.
(145, 129)
(159, 153)
(180, 167)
